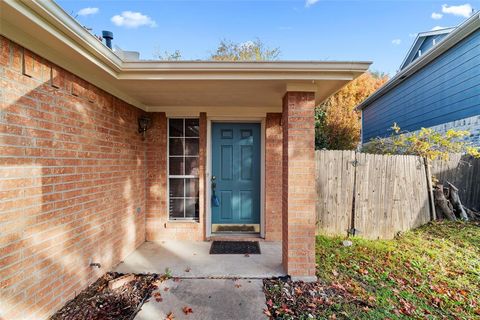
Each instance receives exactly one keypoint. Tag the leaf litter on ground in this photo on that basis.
(432, 272)
(97, 301)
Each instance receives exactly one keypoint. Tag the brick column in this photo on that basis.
(298, 188)
(273, 177)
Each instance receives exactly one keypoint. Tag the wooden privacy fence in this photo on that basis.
(375, 196)
(464, 173)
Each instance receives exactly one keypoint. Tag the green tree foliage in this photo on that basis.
(168, 56)
(321, 141)
(227, 50)
(337, 121)
(426, 143)
(255, 50)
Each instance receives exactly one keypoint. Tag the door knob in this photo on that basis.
(214, 183)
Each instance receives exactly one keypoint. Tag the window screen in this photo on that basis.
(183, 145)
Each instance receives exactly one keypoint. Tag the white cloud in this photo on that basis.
(412, 35)
(437, 28)
(436, 16)
(396, 42)
(130, 19)
(464, 10)
(87, 11)
(309, 3)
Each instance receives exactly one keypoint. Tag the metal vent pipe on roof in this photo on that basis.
(108, 36)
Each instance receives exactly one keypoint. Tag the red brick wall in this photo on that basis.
(157, 224)
(298, 189)
(72, 170)
(273, 177)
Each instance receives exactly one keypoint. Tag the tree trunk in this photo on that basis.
(473, 215)
(442, 203)
(457, 204)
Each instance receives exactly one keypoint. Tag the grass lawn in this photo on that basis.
(429, 273)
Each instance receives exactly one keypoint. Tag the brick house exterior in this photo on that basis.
(72, 171)
(79, 184)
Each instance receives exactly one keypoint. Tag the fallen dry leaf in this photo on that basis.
(158, 297)
(187, 310)
(267, 312)
(363, 271)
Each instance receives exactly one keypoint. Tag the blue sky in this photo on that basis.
(379, 31)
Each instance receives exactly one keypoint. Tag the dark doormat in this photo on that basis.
(235, 247)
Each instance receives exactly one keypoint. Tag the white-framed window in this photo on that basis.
(183, 149)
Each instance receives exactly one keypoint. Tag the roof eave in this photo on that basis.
(56, 36)
(416, 44)
(68, 29)
(465, 29)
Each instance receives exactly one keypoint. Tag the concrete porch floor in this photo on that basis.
(189, 259)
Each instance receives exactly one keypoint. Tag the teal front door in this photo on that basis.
(235, 173)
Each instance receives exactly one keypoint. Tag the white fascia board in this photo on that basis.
(50, 17)
(436, 32)
(143, 65)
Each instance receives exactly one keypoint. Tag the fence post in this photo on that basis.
(352, 230)
(433, 213)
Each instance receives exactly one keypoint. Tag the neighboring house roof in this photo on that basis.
(424, 42)
(53, 34)
(450, 40)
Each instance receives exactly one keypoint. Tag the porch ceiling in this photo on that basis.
(54, 35)
(156, 94)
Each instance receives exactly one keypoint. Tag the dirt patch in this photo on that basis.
(97, 301)
(299, 300)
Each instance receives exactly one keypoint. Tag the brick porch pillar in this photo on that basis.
(298, 189)
(273, 177)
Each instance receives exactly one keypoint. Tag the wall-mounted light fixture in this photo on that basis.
(144, 124)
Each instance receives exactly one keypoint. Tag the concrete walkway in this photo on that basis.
(223, 287)
(209, 299)
(189, 259)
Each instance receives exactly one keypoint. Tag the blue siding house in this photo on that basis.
(438, 86)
